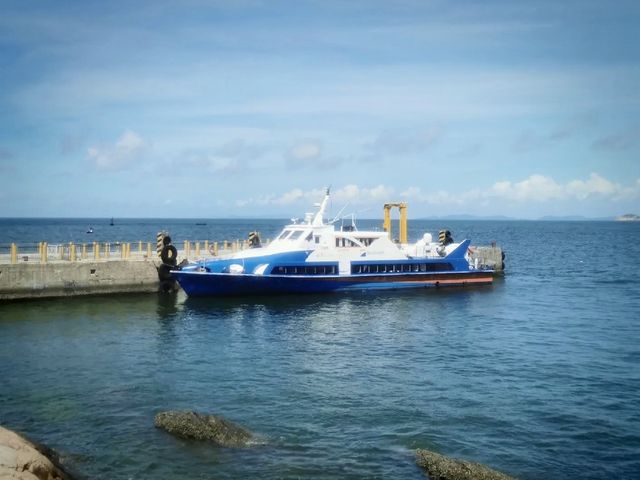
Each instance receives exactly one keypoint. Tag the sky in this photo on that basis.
(251, 108)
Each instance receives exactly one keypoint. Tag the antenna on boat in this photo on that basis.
(337, 217)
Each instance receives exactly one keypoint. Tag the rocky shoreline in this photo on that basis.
(23, 459)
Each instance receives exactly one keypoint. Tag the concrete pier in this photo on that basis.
(58, 279)
(66, 270)
(490, 256)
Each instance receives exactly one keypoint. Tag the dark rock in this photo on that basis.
(439, 467)
(212, 428)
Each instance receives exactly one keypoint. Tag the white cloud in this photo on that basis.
(310, 154)
(595, 185)
(306, 151)
(536, 189)
(404, 142)
(122, 154)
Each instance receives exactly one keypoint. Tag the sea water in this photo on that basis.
(537, 375)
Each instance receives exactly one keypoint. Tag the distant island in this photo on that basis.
(628, 217)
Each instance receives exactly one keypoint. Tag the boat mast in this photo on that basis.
(317, 219)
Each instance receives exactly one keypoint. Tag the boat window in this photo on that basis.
(402, 267)
(305, 270)
(284, 234)
(296, 234)
(317, 239)
(345, 242)
(308, 237)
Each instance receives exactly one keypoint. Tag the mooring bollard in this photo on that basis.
(159, 242)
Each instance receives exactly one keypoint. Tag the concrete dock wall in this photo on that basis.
(35, 280)
(488, 256)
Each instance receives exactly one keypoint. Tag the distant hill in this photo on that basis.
(546, 218)
(469, 217)
(628, 217)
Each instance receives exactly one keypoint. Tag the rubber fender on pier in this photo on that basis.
(169, 255)
(254, 240)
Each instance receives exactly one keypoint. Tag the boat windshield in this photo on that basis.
(296, 234)
(284, 234)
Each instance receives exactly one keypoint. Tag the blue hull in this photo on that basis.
(205, 283)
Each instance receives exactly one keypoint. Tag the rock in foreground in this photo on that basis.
(439, 467)
(21, 459)
(212, 428)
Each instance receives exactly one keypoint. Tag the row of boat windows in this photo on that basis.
(362, 269)
(401, 268)
(305, 270)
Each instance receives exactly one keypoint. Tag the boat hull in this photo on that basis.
(204, 283)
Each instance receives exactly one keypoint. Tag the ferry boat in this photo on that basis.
(314, 256)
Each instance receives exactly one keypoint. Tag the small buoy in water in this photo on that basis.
(90, 230)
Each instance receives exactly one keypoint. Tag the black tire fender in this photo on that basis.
(169, 255)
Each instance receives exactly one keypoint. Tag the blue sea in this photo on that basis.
(537, 376)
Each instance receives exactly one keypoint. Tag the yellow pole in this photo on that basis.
(206, 246)
(139, 246)
(148, 249)
(403, 223)
(198, 249)
(14, 253)
(45, 252)
(215, 249)
(387, 220)
(84, 251)
(72, 252)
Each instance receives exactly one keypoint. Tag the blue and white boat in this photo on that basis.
(315, 256)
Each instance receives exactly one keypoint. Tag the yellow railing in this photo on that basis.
(104, 251)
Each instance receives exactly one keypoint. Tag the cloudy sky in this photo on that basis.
(252, 107)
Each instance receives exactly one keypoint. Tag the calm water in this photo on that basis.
(538, 375)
